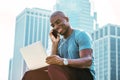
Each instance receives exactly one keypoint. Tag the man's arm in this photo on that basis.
(54, 49)
(55, 42)
(84, 61)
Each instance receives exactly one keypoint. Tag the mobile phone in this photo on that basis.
(55, 33)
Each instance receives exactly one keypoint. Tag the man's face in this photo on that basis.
(60, 24)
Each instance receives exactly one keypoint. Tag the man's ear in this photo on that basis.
(67, 19)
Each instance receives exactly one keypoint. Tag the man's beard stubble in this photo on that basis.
(66, 28)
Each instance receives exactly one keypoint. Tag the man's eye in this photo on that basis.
(57, 22)
(52, 25)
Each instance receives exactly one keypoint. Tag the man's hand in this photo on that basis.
(55, 42)
(53, 39)
(54, 59)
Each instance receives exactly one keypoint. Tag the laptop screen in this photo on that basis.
(34, 55)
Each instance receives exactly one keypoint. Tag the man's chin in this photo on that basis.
(61, 34)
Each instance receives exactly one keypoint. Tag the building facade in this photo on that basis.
(107, 52)
(10, 70)
(31, 25)
(79, 13)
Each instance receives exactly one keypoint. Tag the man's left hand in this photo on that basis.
(54, 59)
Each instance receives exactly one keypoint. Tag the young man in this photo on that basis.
(72, 56)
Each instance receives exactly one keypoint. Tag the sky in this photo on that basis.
(107, 12)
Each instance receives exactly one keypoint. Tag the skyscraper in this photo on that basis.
(10, 70)
(107, 52)
(31, 25)
(79, 12)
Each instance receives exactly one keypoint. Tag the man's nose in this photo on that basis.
(56, 27)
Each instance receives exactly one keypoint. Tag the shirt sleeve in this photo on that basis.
(84, 41)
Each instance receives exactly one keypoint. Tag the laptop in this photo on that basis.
(34, 55)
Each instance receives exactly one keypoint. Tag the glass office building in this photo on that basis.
(79, 12)
(107, 52)
(31, 25)
(10, 70)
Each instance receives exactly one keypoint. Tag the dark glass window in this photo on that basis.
(113, 75)
(40, 28)
(27, 30)
(44, 28)
(112, 30)
(118, 31)
(31, 29)
(35, 29)
(106, 31)
(96, 34)
(113, 57)
(101, 32)
(32, 13)
(36, 13)
(118, 45)
(112, 44)
(118, 59)
(28, 12)
(40, 14)
(92, 36)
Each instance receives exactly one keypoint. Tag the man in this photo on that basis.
(71, 56)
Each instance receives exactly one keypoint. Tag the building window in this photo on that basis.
(118, 31)
(106, 31)
(112, 30)
(101, 33)
(40, 28)
(118, 58)
(92, 36)
(28, 12)
(118, 45)
(32, 13)
(35, 29)
(113, 57)
(40, 14)
(31, 29)
(112, 44)
(36, 14)
(96, 34)
(27, 31)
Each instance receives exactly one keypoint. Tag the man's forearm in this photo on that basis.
(54, 49)
(80, 62)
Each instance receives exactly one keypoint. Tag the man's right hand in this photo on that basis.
(53, 39)
(55, 42)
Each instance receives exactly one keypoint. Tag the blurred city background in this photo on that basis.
(31, 24)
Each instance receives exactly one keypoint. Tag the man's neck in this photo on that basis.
(69, 32)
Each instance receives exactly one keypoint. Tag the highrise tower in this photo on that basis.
(31, 25)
